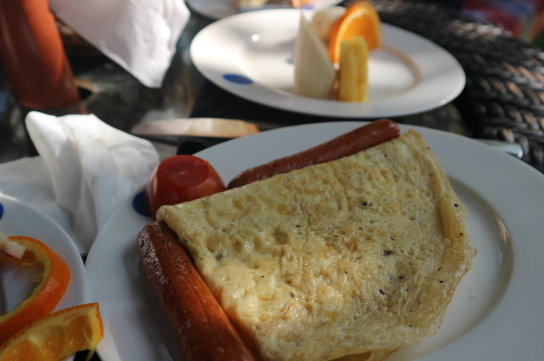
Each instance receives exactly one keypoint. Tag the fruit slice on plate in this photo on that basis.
(323, 21)
(353, 70)
(11, 248)
(56, 336)
(360, 19)
(314, 71)
(54, 281)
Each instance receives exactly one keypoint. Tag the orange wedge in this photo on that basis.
(46, 295)
(360, 19)
(56, 336)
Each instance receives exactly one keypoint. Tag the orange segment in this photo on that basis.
(360, 19)
(56, 335)
(45, 296)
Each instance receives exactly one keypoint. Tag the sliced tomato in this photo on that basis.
(181, 178)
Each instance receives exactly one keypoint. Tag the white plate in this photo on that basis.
(496, 313)
(17, 219)
(251, 56)
(218, 9)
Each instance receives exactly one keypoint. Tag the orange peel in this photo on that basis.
(45, 296)
(360, 19)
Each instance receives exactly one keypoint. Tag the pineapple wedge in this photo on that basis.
(353, 70)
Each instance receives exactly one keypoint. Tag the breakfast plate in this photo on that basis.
(495, 313)
(251, 56)
(218, 9)
(18, 219)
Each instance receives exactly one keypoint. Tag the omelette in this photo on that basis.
(350, 259)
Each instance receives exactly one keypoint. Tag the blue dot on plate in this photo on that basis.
(1, 210)
(139, 205)
(237, 79)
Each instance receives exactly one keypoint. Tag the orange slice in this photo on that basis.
(360, 19)
(45, 296)
(56, 336)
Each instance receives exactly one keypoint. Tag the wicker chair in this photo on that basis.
(504, 95)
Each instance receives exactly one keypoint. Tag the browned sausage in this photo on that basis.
(201, 327)
(361, 138)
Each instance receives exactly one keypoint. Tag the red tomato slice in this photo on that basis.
(181, 178)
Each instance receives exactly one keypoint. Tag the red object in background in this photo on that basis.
(522, 18)
(33, 55)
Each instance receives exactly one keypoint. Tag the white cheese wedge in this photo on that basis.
(314, 71)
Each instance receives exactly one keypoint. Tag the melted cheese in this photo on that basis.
(355, 255)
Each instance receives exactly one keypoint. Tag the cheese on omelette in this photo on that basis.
(360, 255)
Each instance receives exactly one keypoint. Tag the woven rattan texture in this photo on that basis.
(504, 95)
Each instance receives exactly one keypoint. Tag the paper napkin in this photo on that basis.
(139, 35)
(84, 170)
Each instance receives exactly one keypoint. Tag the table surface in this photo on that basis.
(120, 100)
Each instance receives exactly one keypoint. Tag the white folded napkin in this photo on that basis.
(84, 170)
(139, 35)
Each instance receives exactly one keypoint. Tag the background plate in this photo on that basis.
(251, 56)
(218, 9)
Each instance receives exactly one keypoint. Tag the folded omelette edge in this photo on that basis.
(358, 255)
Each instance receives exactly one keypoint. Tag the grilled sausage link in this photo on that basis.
(361, 138)
(201, 327)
